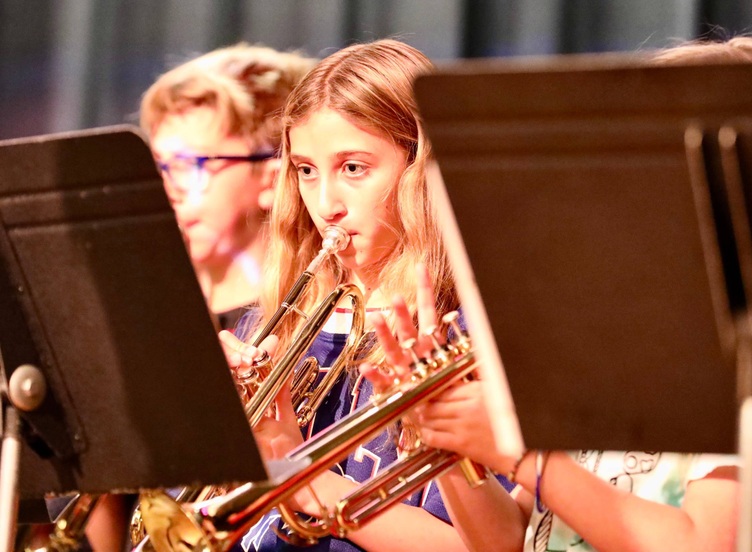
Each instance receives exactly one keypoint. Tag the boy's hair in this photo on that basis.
(370, 85)
(246, 85)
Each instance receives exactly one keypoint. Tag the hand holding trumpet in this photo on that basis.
(241, 354)
(456, 420)
(278, 434)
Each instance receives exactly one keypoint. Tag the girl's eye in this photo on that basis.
(305, 171)
(354, 169)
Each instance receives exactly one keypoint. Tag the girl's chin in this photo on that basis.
(347, 261)
(357, 264)
(200, 255)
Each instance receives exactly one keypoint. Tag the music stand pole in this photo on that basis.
(744, 532)
(25, 390)
(9, 463)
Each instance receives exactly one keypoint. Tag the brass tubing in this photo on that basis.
(258, 404)
(260, 383)
(390, 486)
(217, 524)
(335, 239)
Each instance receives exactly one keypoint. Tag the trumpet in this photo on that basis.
(217, 524)
(67, 529)
(259, 383)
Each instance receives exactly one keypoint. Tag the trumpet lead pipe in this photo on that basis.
(335, 239)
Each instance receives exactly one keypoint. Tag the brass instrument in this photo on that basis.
(388, 488)
(217, 524)
(420, 466)
(259, 383)
(67, 530)
(137, 531)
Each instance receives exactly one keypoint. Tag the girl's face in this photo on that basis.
(218, 207)
(348, 176)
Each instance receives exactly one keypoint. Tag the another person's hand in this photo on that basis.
(457, 420)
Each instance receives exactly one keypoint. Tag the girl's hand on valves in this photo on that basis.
(398, 355)
(240, 353)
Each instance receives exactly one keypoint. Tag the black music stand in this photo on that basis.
(603, 205)
(99, 301)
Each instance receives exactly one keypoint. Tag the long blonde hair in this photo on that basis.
(371, 86)
(734, 50)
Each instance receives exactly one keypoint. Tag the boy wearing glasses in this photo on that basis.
(215, 132)
(214, 128)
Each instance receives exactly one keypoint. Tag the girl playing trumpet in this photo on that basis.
(354, 156)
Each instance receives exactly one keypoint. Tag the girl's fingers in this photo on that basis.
(448, 425)
(458, 392)
(440, 413)
(231, 347)
(406, 331)
(427, 318)
(436, 439)
(238, 352)
(452, 407)
(269, 345)
(283, 404)
(379, 379)
(403, 320)
(404, 326)
(392, 349)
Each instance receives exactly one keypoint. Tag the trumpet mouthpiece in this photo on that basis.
(335, 239)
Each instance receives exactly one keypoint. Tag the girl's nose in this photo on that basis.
(331, 205)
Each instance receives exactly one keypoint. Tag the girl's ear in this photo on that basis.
(268, 182)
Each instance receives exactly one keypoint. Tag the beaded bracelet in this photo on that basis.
(513, 472)
(541, 460)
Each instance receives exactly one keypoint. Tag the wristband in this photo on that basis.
(513, 472)
(541, 460)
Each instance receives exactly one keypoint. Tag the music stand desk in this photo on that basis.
(98, 292)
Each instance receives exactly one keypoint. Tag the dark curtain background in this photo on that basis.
(72, 64)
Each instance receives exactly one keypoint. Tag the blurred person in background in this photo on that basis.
(214, 126)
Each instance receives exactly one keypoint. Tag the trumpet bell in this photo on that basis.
(170, 527)
(210, 525)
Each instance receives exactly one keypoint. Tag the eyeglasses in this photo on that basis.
(190, 173)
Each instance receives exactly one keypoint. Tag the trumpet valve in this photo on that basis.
(441, 352)
(461, 342)
(248, 378)
(302, 389)
(420, 366)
